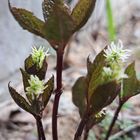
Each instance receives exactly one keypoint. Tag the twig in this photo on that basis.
(114, 120)
(123, 132)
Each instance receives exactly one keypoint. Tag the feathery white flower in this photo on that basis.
(122, 75)
(116, 52)
(113, 74)
(107, 71)
(38, 55)
(107, 74)
(36, 86)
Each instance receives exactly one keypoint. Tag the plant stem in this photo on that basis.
(81, 127)
(86, 133)
(113, 121)
(41, 135)
(58, 91)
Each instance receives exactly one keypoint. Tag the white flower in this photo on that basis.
(38, 55)
(107, 74)
(107, 71)
(36, 86)
(116, 52)
(113, 74)
(122, 75)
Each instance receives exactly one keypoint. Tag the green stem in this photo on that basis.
(110, 20)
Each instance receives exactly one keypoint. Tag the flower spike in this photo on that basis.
(36, 86)
(38, 55)
(116, 52)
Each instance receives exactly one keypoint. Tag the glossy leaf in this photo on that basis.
(20, 101)
(48, 7)
(28, 64)
(93, 88)
(90, 68)
(48, 91)
(94, 72)
(131, 85)
(42, 72)
(37, 106)
(28, 21)
(59, 23)
(32, 68)
(82, 12)
(25, 77)
(103, 96)
(79, 91)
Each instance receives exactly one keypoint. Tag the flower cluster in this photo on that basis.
(116, 53)
(38, 55)
(36, 86)
(115, 57)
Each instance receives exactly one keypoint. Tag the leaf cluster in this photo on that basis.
(59, 24)
(35, 105)
(92, 93)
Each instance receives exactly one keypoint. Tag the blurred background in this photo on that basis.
(123, 22)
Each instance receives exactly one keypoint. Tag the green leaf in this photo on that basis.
(94, 72)
(25, 77)
(103, 96)
(79, 92)
(131, 85)
(48, 7)
(57, 29)
(20, 101)
(32, 68)
(28, 21)
(59, 23)
(82, 12)
(90, 68)
(48, 91)
(42, 72)
(37, 106)
(28, 64)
